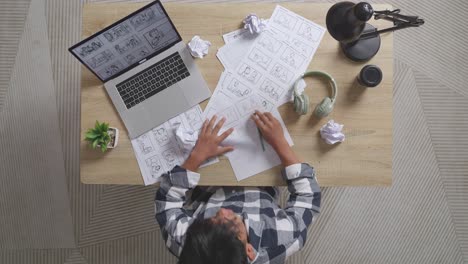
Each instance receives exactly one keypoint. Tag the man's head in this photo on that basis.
(219, 239)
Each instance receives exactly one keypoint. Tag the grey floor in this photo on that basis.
(48, 216)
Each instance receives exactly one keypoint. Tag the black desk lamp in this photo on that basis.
(360, 41)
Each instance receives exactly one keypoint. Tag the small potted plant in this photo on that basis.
(102, 136)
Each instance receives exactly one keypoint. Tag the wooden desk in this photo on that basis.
(364, 159)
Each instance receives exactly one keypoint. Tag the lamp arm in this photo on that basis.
(399, 22)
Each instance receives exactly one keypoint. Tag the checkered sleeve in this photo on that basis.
(302, 208)
(169, 201)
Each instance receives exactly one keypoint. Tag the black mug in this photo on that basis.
(370, 76)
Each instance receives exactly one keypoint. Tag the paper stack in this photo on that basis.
(260, 70)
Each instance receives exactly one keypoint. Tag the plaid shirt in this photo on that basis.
(274, 233)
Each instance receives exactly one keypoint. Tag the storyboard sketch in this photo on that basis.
(238, 89)
(275, 57)
(260, 79)
(158, 150)
(273, 62)
(249, 73)
(233, 100)
(89, 47)
(117, 32)
(284, 18)
(280, 54)
(238, 111)
(271, 90)
(101, 58)
(128, 42)
(260, 58)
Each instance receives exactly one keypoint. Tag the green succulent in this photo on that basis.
(98, 136)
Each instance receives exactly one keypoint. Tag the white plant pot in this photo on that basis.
(115, 131)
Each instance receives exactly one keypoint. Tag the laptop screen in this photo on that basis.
(124, 44)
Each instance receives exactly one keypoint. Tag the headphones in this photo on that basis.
(301, 101)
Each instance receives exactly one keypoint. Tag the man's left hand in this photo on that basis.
(208, 144)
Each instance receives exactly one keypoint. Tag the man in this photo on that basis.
(236, 225)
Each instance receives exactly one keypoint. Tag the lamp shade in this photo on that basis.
(347, 20)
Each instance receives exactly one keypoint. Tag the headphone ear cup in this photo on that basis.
(301, 104)
(324, 108)
(305, 104)
(297, 103)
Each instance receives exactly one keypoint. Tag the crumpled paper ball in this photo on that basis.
(254, 24)
(186, 138)
(331, 132)
(198, 47)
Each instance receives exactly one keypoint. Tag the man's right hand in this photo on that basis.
(272, 132)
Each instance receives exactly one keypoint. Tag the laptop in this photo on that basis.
(146, 68)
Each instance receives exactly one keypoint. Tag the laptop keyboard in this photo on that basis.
(152, 80)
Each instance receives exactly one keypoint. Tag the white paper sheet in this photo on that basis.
(280, 54)
(237, 102)
(248, 157)
(237, 42)
(240, 34)
(158, 150)
(237, 34)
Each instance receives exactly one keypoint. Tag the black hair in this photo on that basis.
(207, 242)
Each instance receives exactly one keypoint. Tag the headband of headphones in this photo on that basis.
(318, 74)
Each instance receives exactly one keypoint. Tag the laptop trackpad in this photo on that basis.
(158, 109)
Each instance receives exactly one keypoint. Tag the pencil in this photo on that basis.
(261, 139)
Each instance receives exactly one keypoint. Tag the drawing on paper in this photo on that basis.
(194, 118)
(154, 37)
(128, 44)
(301, 47)
(285, 20)
(137, 55)
(145, 145)
(248, 106)
(155, 166)
(170, 157)
(100, 59)
(269, 43)
(112, 69)
(271, 89)
(309, 32)
(238, 89)
(230, 115)
(281, 73)
(260, 58)
(161, 135)
(209, 112)
(292, 58)
(143, 19)
(265, 105)
(158, 37)
(224, 80)
(90, 47)
(117, 32)
(249, 74)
